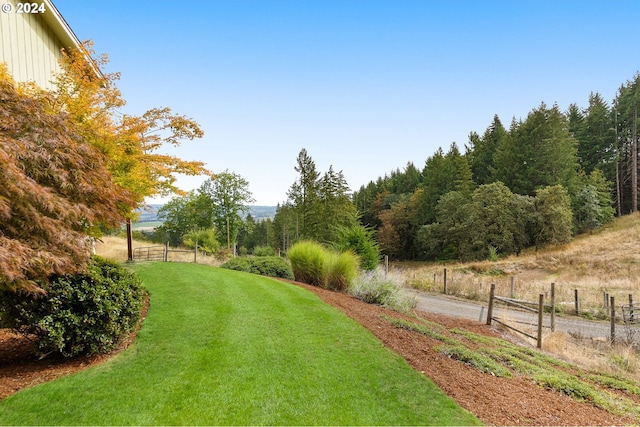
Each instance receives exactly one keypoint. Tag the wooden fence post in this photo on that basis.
(166, 252)
(445, 281)
(631, 317)
(606, 302)
(490, 309)
(129, 241)
(513, 294)
(553, 307)
(195, 253)
(575, 296)
(386, 265)
(613, 321)
(540, 310)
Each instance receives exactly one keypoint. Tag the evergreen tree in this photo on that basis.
(441, 174)
(596, 142)
(627, 104)
(303, 194)
(333, 209)
(285, 226)
(540, 152)
(482, 151)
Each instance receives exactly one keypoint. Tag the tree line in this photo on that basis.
(539, 182)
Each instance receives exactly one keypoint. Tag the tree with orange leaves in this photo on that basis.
(130, 143)
(54, 188)
(70, 162)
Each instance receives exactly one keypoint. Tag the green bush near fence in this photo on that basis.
(271, 266)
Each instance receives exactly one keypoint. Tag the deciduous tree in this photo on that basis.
(229, 196)
(130, 143)
(55, 188)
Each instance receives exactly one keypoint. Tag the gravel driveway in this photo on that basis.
(456, 307)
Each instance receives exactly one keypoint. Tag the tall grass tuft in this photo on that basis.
(340, 270)
(312, 263)
(308, 259)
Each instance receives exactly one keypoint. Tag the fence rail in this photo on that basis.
(525, 306)
(150, 253)
(161, 253)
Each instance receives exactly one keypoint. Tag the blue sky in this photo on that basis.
(365, 86)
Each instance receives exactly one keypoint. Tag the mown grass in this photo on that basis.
(221, 347)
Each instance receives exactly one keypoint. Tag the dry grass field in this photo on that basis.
(116, 248)
(607, 261)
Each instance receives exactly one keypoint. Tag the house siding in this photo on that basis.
(29, 47)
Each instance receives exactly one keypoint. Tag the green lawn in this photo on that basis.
(221, 347)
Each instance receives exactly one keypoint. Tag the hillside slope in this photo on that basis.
(605, 261)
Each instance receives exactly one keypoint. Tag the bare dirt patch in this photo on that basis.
(495, 401)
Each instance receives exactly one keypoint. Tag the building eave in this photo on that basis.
(54, 19)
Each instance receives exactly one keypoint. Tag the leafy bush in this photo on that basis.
(307, 261)
(84, 313)
(264, 251)
(360, 240)
(239, 263)
(271, 266)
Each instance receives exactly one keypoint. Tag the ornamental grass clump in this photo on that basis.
(340, 269)
(312, 263)
(307, 262)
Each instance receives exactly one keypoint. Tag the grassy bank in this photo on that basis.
(221, 347)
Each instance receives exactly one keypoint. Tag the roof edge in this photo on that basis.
(54, 19)
(61, 29)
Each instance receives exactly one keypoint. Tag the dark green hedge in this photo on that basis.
(85, 313)
(272, 266)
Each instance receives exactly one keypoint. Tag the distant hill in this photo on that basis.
(259, 213)
(149, 213)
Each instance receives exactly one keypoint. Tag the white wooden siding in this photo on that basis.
(29, 47)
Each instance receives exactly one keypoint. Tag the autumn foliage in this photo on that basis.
(70, 162)
(54, 188)
(132, 144)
